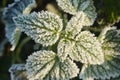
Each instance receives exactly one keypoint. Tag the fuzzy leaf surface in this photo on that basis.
(87, 49)
(64, 48)
(110, 68)
(45, 65)
(13, 10)
(75, 25)
(43, 27)
(75, 6)
(84, 48)
(15, 36)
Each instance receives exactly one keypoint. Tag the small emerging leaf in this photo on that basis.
(75, 25)
(45, 65)
(64, 48)
(43, 27)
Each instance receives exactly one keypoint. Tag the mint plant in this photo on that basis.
(65, 44)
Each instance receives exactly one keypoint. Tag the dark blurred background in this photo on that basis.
(108, 15)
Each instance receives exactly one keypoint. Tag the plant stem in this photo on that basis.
(18, 51)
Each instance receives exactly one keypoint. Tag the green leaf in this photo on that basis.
(111, 48)
(87, 49)
(43, 27)
(15, 38)
(45, 65)
(18, 72)
(110, 38)
(110, 68)
(67, 6)
(13, 35)
(112, 35)
(75, 6)
(110, 41)
(75, 25)
(17, 8)
(103, 33)
(84, 48)
(64, 48)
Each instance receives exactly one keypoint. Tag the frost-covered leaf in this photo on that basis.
(84, 48)
(113, 35)
(64, 48)
(75, 6)
(110, 68)
(15, 38)
(87, 49)
(18, 72)
(67, 6)
(17, 8)
(103, 33)
(43, 27)
(76, 23)
(111, 48)
(111, 41)
(45, 65)
(12, 34)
